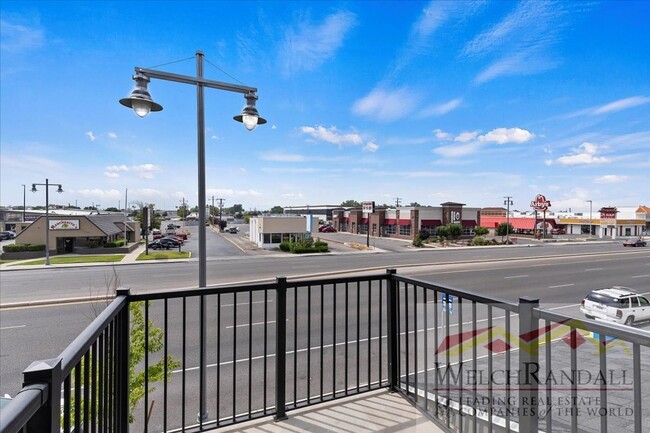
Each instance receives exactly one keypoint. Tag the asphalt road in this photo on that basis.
(559, 275)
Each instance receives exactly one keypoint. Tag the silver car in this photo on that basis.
(616, 304)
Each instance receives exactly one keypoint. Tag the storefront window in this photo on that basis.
(390, 229)
(405, 230)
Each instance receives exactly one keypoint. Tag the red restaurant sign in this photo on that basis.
(540, 203)
(608, 213)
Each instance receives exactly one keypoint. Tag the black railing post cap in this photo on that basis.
(42, 369)
(391, 271)
(122, 291)
(528, 300)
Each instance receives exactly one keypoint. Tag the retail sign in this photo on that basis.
(608, 213)
(64, 225)
(368, 207)
(447, 303)
(540, 203)
(454, 217)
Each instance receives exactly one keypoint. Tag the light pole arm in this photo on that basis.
(186, 79)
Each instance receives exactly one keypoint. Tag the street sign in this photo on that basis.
(447, 303)
(368, 207)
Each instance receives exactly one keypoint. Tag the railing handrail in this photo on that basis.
(72, 354)
(23, 407)
(465, 294)
(635, 335)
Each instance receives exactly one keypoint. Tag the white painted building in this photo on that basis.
(270, 231)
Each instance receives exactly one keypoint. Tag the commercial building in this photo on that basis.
(406, 222)
(270, 231)
(77, 232)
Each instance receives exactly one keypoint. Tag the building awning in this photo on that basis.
(523, 223)
(364, 220)
(469, 223)
(404, 222)
(389, 222)
(430, 223)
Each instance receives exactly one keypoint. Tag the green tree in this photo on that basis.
(455, 230)
(504, 229)
(415, 204)
(112, 209)
(481, 231)
(443, 231)
(351, 203)
(236, 208)
(277, 210)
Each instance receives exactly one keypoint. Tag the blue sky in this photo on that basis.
(369, 100)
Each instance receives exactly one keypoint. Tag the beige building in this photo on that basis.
(78, 233)
(270, 231)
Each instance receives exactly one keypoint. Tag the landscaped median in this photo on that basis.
(165, 255)
(61, 260)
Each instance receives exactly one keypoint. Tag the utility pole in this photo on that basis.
(590, 220)
(397, 199)
(221, 200)
(508, 202)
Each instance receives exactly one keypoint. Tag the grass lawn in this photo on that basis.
(164, 255)
(75, 259)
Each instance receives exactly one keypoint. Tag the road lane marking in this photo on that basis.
(12, 327)
(246, 325)
(593, 269)
(245, 303)
(641, 276)
(516, 276)
(561, 285)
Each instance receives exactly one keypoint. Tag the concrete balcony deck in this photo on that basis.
(371, 412)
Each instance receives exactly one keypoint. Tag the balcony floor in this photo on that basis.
(371, 412)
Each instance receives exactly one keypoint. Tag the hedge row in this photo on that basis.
(19, 248)
(305, 246)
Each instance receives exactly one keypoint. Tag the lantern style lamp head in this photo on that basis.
(140, 98)
(59, 190)
(34, 187)
(249, 115)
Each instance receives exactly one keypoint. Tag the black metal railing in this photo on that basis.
(203, 359)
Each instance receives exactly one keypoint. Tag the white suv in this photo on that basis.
(616, 304)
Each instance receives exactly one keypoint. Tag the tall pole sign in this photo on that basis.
(368, 208)
(540, 203)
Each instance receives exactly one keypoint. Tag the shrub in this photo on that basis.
(443, 232)
(18, 248)
(481, 231)
(417, 241)
(424, 234)
(478, 241)
(285, 246)
(114, 244)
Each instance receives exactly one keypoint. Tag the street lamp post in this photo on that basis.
(24, 201)
(47, 186)
(508, 203)
(590, 220)
(141, 102)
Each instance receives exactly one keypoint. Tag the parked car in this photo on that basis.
(558, 231)
(232, 230)
(636, 242)
(169, 242)
(5, 236)
(616, 304)
(326, 229)
(156, 245)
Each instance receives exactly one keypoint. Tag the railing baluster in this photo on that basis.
(250, 351)
(101, 404)
(94, 398)
(184, 356)
(406, 335)
(636, 367)
(490, 369)
(358, 331)
(322, 346)
(380, 332)
(308, 344)
(460, 359)
(218, 414)
(435, 353)
(415, 342)
(347, 314)
(549, 383)
(86, 391)
(475, 365)
(281, 348)
(146, 365)
(234, 357)
(448, 361)
(266, 327)
(574, 380)
(392, 342)
(166, 362)
(602, 360)
(426, 350)
(508, 393)
(369, 335)
(334, 289)
(295, 347)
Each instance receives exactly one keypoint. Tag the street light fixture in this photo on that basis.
(142, 103)
(590, 220)
(47, 186)
(508, 202)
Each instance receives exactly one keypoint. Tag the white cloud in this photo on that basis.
(456, 150)
(584, 154)
(292, 195)
(331, 135)
(507, 135)
(234, 192)
(112, 171)
(112, 135)
(17, 38)
(101, 194)
(441, 135)
(146, 171)
(611, 178)
(371, 147)
(307, 46)
(387, 105)
(440, 109)
(466, 136)
(621, 104)
(90, 135)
